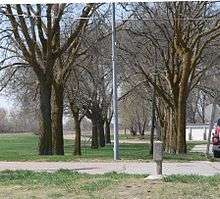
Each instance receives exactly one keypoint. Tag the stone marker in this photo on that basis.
(158, 158)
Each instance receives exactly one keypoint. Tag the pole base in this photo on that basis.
(154, 178)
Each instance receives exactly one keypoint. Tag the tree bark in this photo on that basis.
(45, 139)
(133, 131)
(181, 126)
(139, 127)
(77, 120)
(182, 100)
(101, 132)
(107, 132)
(170, 130)
(203, 109)
(57, 120)
(174, 127)
(94, 144)
(77, 148)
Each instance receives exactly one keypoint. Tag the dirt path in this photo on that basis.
(197, 167)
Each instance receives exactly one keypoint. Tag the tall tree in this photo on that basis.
(35, 33)
(180, 35)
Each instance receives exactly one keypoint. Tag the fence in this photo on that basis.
(197, 132)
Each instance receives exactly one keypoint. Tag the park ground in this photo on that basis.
(22, 148)
(66, 184)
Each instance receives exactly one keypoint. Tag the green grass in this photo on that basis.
(190, 156)
(123, 136)
(67, 184)
(58, 184)
(211, 180)
(24, 147)
(190, 187)
(63, 178)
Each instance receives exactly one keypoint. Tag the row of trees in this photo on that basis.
(176, 43)
(60, 66)
(58, 57)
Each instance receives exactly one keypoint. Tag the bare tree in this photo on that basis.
(35, 35)
(180, 35)
(135, 109)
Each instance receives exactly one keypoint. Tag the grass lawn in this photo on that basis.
(67, 184)
(123, 136)
(23, 147)
(61, 184)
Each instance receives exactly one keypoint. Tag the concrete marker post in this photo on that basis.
(158, 158)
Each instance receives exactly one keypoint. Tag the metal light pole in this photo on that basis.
(153, 115)
(115, 97)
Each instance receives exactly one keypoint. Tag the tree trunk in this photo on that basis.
(203, 109)
(182, 100)
(125, 131)
(94, 144)
(170, 130)
(107, 132)
(181, 124)
(144, 125)
(133, 131)
(191, 114)
(139, 127)
(142, 131)
(45, 139)
(76, 116)
(57, 120)
(101, 132)
(174, 129)
(166, 130)
(77, 149)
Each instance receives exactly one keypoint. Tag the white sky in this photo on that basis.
(77, 1)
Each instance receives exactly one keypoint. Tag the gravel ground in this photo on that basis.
(196, 167)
